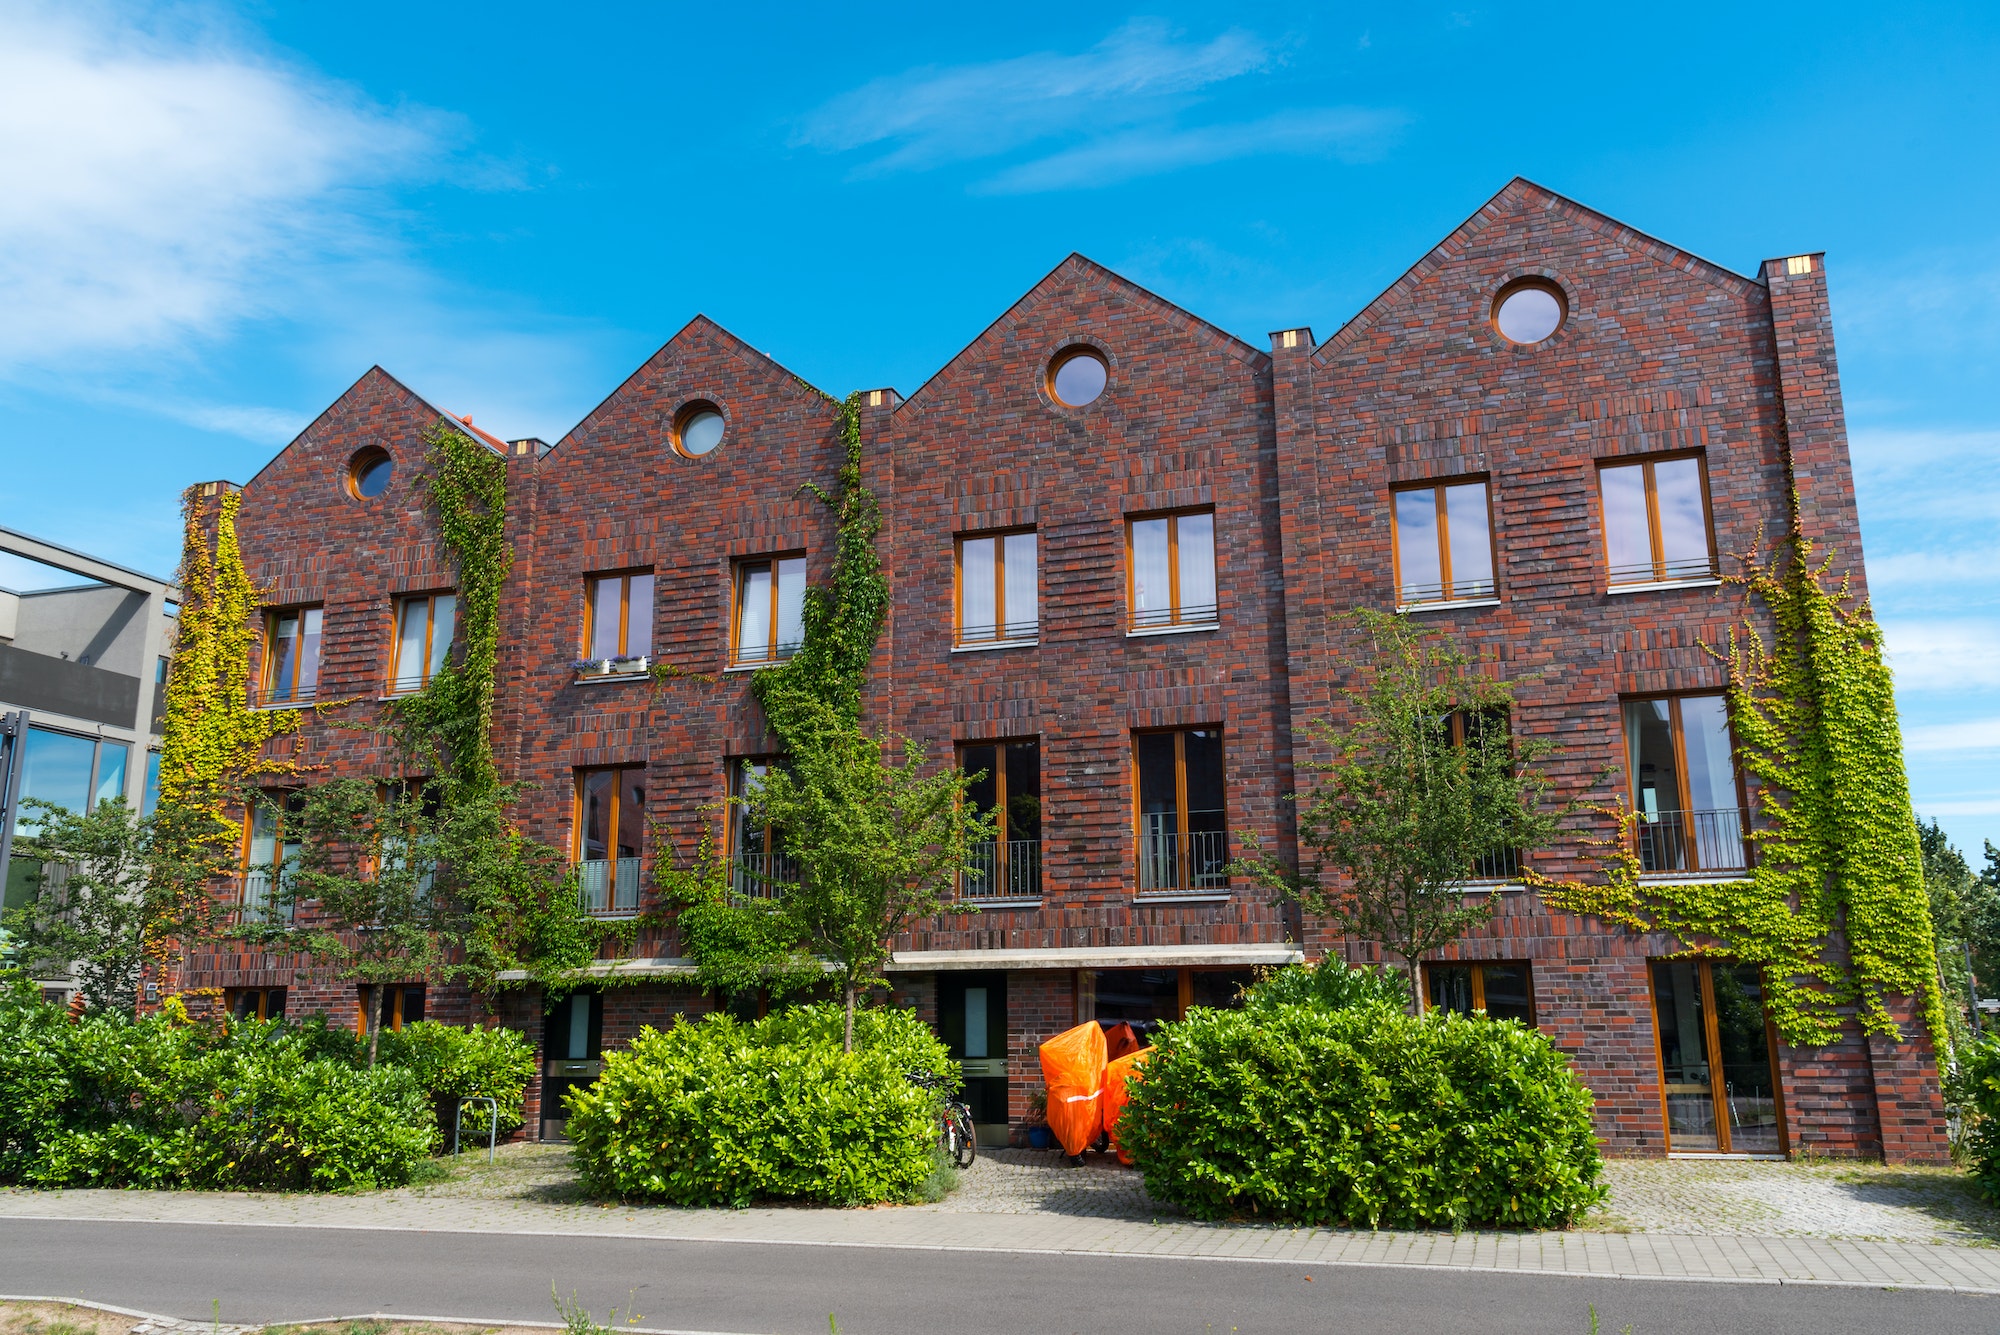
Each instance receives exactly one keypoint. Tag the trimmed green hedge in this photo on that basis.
(718, 1112)
(1329, 984)
(451, 1063)
(1363, 1116)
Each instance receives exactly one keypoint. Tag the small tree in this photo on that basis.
(368, 861)
(90, 908)
(1425, 782)
(878, 845)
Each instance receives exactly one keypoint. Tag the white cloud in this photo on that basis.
(155, 185)
(1350, 134)
(1979, 734)
(1971, 806)
(1943, 654)
(1111, 113)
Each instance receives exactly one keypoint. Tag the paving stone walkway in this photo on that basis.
(1696, 1220)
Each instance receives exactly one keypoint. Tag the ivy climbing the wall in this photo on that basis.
(1835, 908)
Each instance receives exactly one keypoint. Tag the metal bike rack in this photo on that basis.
(493, 1129)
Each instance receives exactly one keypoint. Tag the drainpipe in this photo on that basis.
(14, 730)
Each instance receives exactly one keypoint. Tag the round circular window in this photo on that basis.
(1077, 377)
(369, 471)
(698, 430)
(1529, 312)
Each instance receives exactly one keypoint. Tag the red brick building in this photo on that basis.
(1117, 539)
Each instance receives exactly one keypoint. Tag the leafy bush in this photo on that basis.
(450, 1064)
(1975, 1089)
(1329, 984)
(1362, 1116)
(718, 1112)
(111, 1101)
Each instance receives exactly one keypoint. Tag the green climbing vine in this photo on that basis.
(212, 742)
(1814, 714)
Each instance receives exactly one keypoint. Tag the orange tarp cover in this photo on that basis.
(1119, 1040)
(1073, 1070)
(1117, 1077)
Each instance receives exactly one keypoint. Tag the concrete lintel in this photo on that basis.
(1095, 957)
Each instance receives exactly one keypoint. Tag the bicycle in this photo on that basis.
(955, 1133)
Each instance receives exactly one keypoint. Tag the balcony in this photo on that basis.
(762, 875)
(1692, 841)
(1504, 865)
(283, 695)
(1201, 615)
(608, 887)
(259, 902)
(1194, 863)
(1665, 572)
(995, 870)
(763, 655)
(972, 635)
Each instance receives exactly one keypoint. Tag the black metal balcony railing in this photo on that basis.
(762, 875)
(608, 887)
(1436, 592)
(1692, 841)
(989, 875)
(1504, 865)
(747, 655)
(1196, 861)
(271, 697)
(1188, 614)
(988, 633)
(1694, 567)
(259, 903)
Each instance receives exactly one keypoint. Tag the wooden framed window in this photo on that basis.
(1686, 788)
(769, 610)
(1656, 520)
(1180, 811)
(610, 838)
(290, 673)
(1170, 570)
(255, 1003)
(425, 624)
(271, 845)
(759, 867)
(1505, 991)
(402, 1004)
(1718, 1086)
(1008, 784)
(1142, 998)
(1502, 864)
(411, 802)
(996, 594)
(1444, 542)
(618, 615)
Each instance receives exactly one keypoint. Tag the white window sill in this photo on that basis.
(1494, 886)
(1695, 877)
(585, 677)
(1654, 586)
(987, 646)
(1448, 605)
(1022, 903)
(1177, 897)
(756, 667)
(1172, 630)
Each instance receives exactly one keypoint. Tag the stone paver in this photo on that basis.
(1751, 1222)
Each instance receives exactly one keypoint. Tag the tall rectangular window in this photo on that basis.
(291, 657)
(1170, 561)
(1685, 787)
(425, 623)
(759, 867)
(1656, 520)
(1716, 1067)
(270, 851)
(618, 616)
(610, 838)
(1444, 543)
(1007, 784)
(997, 598)
(1182, 818)
(1503, 991)
(770, 609)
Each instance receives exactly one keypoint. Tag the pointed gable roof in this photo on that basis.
(374, 381)
(1518, 196)
(1077, 267)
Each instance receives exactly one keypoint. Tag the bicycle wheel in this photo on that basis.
(965, 1146)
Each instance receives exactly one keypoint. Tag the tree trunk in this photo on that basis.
(377, 993)
(1416, 984)
(847, 1032)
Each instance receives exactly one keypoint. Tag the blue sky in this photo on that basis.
(213, 218)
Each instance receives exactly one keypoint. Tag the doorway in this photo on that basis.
(572, 1055)
(1717, 1058)
(972, 1019)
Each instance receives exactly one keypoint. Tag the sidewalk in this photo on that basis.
(1012, 1203)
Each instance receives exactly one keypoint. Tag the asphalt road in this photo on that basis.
(280, 1274)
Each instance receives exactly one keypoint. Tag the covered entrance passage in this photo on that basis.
(972, 1020)
(1716, 1059)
